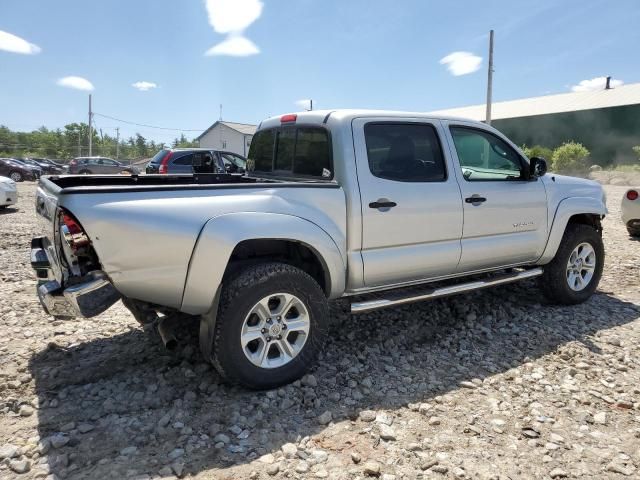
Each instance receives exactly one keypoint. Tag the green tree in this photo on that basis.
(571, 157)
(636, 150)
(538, 151)
(141, 145)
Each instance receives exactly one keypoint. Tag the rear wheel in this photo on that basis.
(633, 231)
(84, 172)
(574, 273)
(271, 325)
(16, 176)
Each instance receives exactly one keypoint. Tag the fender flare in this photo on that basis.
(566, 209)
(220, 235)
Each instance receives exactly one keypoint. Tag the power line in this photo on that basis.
(150, 126)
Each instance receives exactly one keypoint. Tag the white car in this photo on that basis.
(630, 210)
(8, 192)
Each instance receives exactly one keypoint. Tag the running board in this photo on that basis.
(398, 299)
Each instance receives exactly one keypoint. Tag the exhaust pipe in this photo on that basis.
(165, 330)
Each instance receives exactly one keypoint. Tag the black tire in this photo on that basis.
(16, 176)
(553, 281)
(85, 172)
(633, 232)
(238, 297)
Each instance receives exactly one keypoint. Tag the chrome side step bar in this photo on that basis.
(398, 299)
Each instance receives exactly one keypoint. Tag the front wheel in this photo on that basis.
(574, 273)
(633, 231)
(16, 176)
(271, 324)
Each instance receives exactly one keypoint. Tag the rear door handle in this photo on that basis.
(382, 203)
(475, 199)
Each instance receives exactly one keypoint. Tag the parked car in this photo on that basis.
(180, 160)
(18, 171)
(46, 167)
(99, 165)
(630, 210)
(8, 192)
(51, 162)
(359, 205)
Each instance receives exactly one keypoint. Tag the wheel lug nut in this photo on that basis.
(284, 326)
(279, 318)
(264, 330)
(268, 339)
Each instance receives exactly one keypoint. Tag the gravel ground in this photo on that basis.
(496, 384)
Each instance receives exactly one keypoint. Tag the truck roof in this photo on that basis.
(346, 115)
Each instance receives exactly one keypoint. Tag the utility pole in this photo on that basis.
(220, 112)
(90, 149)
(117, 143)
(79, 139)
(310, 104)
(489, 80)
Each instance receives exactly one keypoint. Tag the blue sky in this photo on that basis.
(341, 53)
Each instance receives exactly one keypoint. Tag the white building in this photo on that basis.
(229, 136)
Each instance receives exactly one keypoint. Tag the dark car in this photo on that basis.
(18, 171)
(46, 167)
(180, 160)
(51, 162)
(99, 165)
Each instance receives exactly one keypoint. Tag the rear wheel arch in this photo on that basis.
(232, 240)
(294, 253)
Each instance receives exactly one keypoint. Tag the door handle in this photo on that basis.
(382, 203)
(475, 199)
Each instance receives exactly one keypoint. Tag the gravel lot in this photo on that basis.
(493, 385)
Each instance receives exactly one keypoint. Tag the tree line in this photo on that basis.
(73, 141)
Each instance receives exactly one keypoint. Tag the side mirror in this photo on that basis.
(537, 167)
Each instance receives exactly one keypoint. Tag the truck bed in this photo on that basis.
(104, 183)
(144, 229)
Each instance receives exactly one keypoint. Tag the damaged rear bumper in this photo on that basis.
(87, 296)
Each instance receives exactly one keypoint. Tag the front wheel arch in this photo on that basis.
(577, 210)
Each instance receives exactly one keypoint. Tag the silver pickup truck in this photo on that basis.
(380, 208)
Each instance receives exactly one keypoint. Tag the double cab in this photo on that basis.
(350, 204)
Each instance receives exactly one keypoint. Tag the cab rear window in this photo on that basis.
(291, 151)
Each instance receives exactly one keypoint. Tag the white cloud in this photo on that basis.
(232, 18)
(144, 86)
(304, 104)
(235, 47)
(461, 63)
(597, 83)
(14, 44)
(78, 83)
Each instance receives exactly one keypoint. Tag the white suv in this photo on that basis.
(8, 192)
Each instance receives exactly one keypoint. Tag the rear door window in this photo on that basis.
(184, 160)
(292, 151)
(405, 152)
